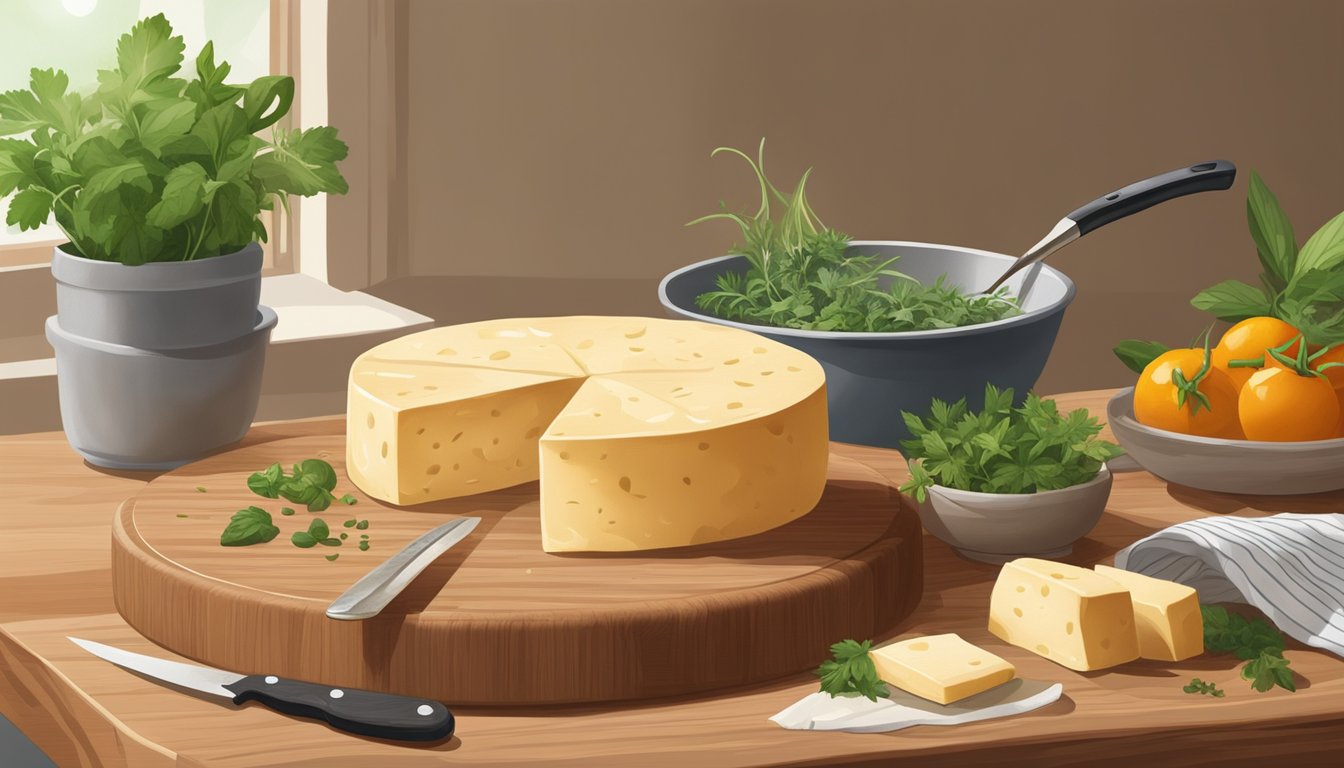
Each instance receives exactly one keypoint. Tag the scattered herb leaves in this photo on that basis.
(332, 557)
(348, 500)
(200, 489)
(363, 546)
(310, 484)
(362, 525)
(802, 274)
(1255, 641)
(851, 671)
(183, 515)
(344, 536)
(248, 526)
(286, 511)
(1207, 689)
(303, 539)
(350, 523)
(1002, 448)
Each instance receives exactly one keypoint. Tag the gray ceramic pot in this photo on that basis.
(163, 305)
(998, 527)
(129, 408)
(872, 377)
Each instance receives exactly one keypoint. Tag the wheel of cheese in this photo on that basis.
(644, 433)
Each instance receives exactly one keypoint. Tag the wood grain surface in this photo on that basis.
(56, 581)
(496, 620)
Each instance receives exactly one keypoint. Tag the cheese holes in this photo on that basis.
(1021, 588)
(432, 469)
(502, 354)
(1043, 649)
(686, 480)
(775, 428)
(766, 373)
(731, 361)
(531, 433)
(635, 334)
(636, 349)
(974, 662)
(624, 482)
(733, 406)
(494, 441)
(478, 453)
(696, 354)
(369, 421)
(794, 369)
(1045, 590)
(456, 467)
(436, 446)
(383, 451)
(1068, 628)
(743, 383)
(703, 446)
(758, 350)
(447, 351)
(1017, 612)
(564, 455)
(586, 343)
(430, 388)
(402, 394)
(918, 646)
(1106, 643)
(494, 412)
(455, 437)
(633, 399)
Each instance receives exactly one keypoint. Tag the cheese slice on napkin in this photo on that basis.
(856, 714)
(1290, 566)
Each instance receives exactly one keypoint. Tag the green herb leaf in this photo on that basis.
(333, 556)
(1207, 689)
(350, 523)
(29, 209)
(363, 546)
(318, 528)
(303, 539)
(1272, 232)
(248, 526)
(1137, 354)
(362, 525)
(286, 511)
(851, 671)
(267, 482)
(200, 489)
(1233, 301)
(330, 542)
(1324, 249)
(1255, 641)
(348, 500)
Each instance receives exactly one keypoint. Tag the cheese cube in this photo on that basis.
(941, 668)
(1070, 615)
(1166, 615)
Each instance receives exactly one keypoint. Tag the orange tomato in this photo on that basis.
(1249, 339)
(1281, 405)
(1334, 355)
(1157, 399)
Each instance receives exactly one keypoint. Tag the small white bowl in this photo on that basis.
(998, 527)
(1227, 466)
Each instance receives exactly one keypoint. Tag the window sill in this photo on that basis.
(322, 329)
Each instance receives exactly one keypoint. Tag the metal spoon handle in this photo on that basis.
(366, 597)
(1141, 195)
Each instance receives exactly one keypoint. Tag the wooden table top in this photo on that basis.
(55, 581)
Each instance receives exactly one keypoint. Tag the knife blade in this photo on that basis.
(366, 597)
(367, 713)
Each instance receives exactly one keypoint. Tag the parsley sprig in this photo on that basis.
(1206, 689)
(311, 484)
(1002, 448)
(851, 671)
(802, 274)
(1256, 642)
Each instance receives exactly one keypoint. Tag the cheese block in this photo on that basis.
(644, 433)
(1166, 615)
(941, 668)
(1070, 615)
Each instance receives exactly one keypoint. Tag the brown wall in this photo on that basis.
(571, 138)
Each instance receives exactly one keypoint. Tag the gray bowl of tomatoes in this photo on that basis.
(1257, 414)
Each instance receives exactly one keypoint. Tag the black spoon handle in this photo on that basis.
(1201, 177)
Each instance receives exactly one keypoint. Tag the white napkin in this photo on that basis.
(856, 714)
(1290, 566)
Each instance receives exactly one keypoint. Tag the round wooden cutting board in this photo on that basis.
(496, 620)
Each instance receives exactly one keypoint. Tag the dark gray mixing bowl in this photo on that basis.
(872, 377)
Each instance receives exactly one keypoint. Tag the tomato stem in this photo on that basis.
(1189, 388)
(1255, 362)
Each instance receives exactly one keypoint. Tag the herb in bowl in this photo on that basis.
(801, 274)
(1003, 449)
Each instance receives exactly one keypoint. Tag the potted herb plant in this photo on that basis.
(1007, 481)
(159, 183)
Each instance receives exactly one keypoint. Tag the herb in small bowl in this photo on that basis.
(802, 274)
(1007, 481)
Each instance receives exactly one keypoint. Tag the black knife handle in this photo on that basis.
(1201, 177)
(367, 713)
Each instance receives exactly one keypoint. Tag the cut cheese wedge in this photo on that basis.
(644, 433)
(941, 668)
(1166, 615)
(1070, 615)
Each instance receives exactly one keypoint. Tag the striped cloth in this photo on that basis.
(1290, 566)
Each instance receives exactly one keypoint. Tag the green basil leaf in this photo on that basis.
(1233, 301)
(1272, 232)
(248, 526)
(1137, 354)
(303, 539)
(1324, 249)
(318, 529)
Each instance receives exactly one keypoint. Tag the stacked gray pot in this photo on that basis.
(158, 364)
